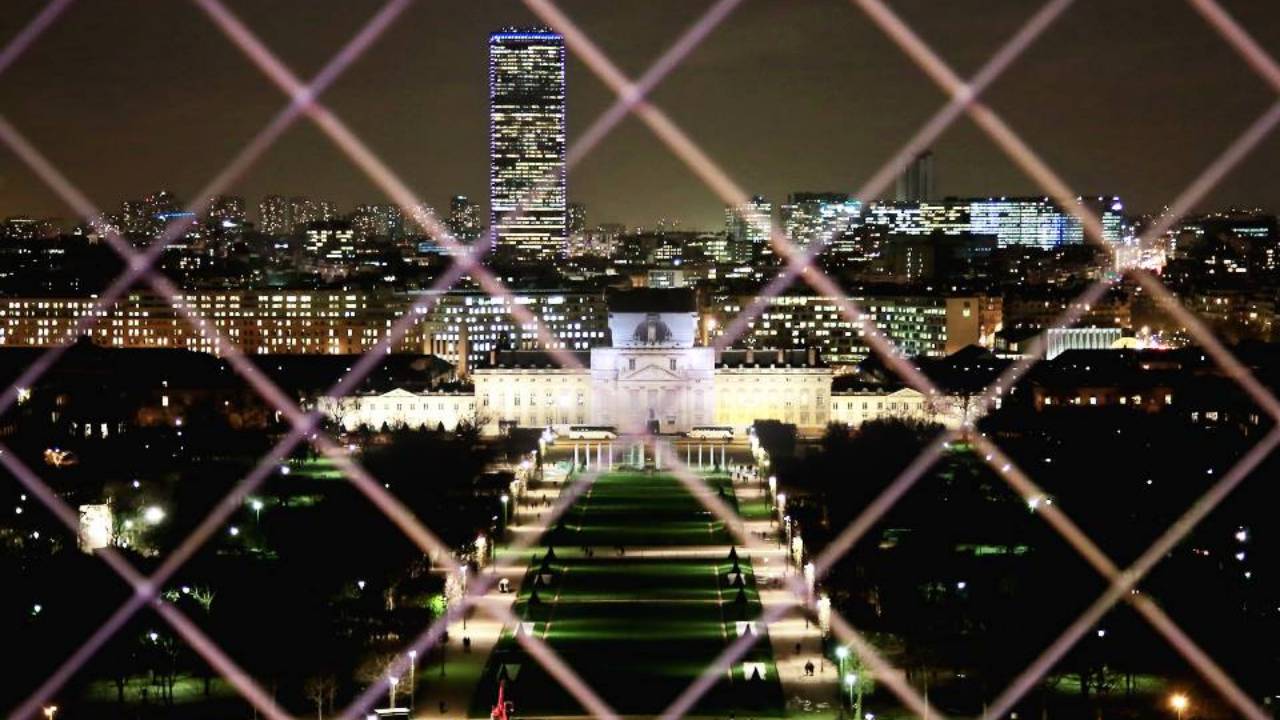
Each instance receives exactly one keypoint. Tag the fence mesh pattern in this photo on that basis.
(964, 97)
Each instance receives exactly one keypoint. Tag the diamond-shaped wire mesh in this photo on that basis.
(963, 97)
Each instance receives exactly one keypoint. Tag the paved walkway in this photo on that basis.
(462, 669)
(804, 694)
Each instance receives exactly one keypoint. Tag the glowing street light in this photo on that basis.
(257, 506)
(1179, 702)
(850, 680)
(154, 515)
(392, 688)
(842, 654)
(413, 675)
(50, 711)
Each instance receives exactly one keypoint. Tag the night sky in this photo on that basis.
(1131, 97)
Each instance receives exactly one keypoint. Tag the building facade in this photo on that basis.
(926, 325)
(304, 322)
(527, 144)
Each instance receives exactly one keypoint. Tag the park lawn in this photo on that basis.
(638, 630)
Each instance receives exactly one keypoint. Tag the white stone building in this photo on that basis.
(855, 407)
(398, 408)
(653, 376)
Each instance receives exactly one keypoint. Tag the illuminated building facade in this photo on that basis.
(819, 217)
(275, 216)
(748, 227)
(527, 144)
(654, 375)
(312, 322)
(1030, 221)
(927, 326)
(464, 219)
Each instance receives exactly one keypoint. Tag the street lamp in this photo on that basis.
(842, 653)
(392, 687)
(256, 504)
(413, 675)
(50, 711)
(1179, 702)
(505, 499)
(849, 681)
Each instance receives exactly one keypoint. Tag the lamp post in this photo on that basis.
(842, 653)
(413, 676)
(1179, 702)
(506, 499)
(391, 687)
(256, 504)
(50, 711)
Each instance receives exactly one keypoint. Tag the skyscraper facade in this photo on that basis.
(527, 143)
(915, 184)
(748, 226)
(275, 216)
(464, 219)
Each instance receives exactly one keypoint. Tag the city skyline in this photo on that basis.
(856, 100)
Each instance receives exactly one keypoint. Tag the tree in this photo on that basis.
(321, 690)
(204, 598)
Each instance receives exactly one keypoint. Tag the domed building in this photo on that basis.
(654, 375)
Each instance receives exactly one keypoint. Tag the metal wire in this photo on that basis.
(964, 97)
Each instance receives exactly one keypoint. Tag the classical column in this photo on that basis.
(657, 456)
(611, 456)
(575, 456)
(722, 447)
(641, 447)
(699, 456)
(600, 456)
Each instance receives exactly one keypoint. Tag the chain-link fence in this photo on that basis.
(633, 99)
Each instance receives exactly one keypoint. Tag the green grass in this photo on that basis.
(638, 630)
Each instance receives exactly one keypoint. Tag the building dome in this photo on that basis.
(653, 331)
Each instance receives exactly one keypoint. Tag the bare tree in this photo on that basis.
(321, 690)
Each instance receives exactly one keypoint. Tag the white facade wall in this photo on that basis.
(855, 408)
(533, 397)
(792, 395)
(400, 408)
(633, 386)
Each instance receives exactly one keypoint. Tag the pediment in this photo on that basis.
(397, 393)
(650, 372)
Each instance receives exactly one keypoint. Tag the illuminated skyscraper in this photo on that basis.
(275, 216)
(748, 226)
(464, 219)
(527, 143)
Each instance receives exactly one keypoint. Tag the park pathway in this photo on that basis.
(636, 590)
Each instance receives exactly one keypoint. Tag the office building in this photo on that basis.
(748, 228)
(275, 216)
(821, 218)
(915, 184)
(464, 219)
(527, 144)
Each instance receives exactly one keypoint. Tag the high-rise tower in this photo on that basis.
(527, 143)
